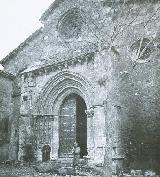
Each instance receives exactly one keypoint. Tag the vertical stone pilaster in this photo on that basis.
(99, 134)
(14, 137)
(114, 151)
(108, 149)
(90, 133)
(25, 124)
(39, 154)
(96, 136)
(117, 150)
(24, 133)
(55, 138)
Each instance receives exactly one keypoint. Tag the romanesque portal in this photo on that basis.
(61, 115)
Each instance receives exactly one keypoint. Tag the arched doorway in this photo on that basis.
(73, 126)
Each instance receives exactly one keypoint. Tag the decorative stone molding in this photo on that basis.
(59, 65)
(31, 80)
(97, 105)
(62, 83)
(90, 113)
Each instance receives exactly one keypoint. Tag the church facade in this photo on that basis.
(89, 75)
(60, 102)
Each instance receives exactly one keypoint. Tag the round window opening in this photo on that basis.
(142, 49)
(70, 24)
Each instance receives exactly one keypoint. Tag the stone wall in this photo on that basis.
(14, 140)
(132, 105)
(5, 113)
(47, 46)
(124, 38)
(43, 92)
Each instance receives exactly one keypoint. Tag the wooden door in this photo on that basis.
(67, 127)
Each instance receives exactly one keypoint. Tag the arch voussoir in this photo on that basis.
(62, 83)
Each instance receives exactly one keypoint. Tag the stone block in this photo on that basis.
(149, 173)
(48, 167)
(136, 172)
(62, 171)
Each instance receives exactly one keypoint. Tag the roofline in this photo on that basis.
(51, 8)
(21, 46)
(13, 53)
(57, 3)
(44, 16)
(7, 75)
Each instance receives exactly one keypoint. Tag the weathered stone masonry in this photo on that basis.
(105, 53)
(56, 87)
(6, 111)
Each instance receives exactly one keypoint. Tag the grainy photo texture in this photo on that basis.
(81, 95)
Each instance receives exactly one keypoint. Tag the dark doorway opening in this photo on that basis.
(73, 126)
(46, 149)
(81, 128)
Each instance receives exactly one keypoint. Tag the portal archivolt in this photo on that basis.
(66, 96)
(58, 87)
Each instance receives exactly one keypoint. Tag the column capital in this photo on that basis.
(89, 112)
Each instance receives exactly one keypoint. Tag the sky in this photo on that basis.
(18, 20)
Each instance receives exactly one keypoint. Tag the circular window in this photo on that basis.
(71, 23)
(142, 49)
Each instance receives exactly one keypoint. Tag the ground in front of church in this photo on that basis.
(26, 171)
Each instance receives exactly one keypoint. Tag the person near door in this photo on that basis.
(76, 156)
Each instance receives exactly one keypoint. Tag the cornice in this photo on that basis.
(59, 65)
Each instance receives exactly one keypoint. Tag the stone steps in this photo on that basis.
(66, 161)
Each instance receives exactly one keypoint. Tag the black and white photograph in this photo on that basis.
(80, 88)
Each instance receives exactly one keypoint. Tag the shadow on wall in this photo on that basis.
(141, 136)
(4, 139)
(4, 152)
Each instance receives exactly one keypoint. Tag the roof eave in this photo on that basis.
(50, 10)
(21, 46)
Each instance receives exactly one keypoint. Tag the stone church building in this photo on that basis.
(90, 75)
